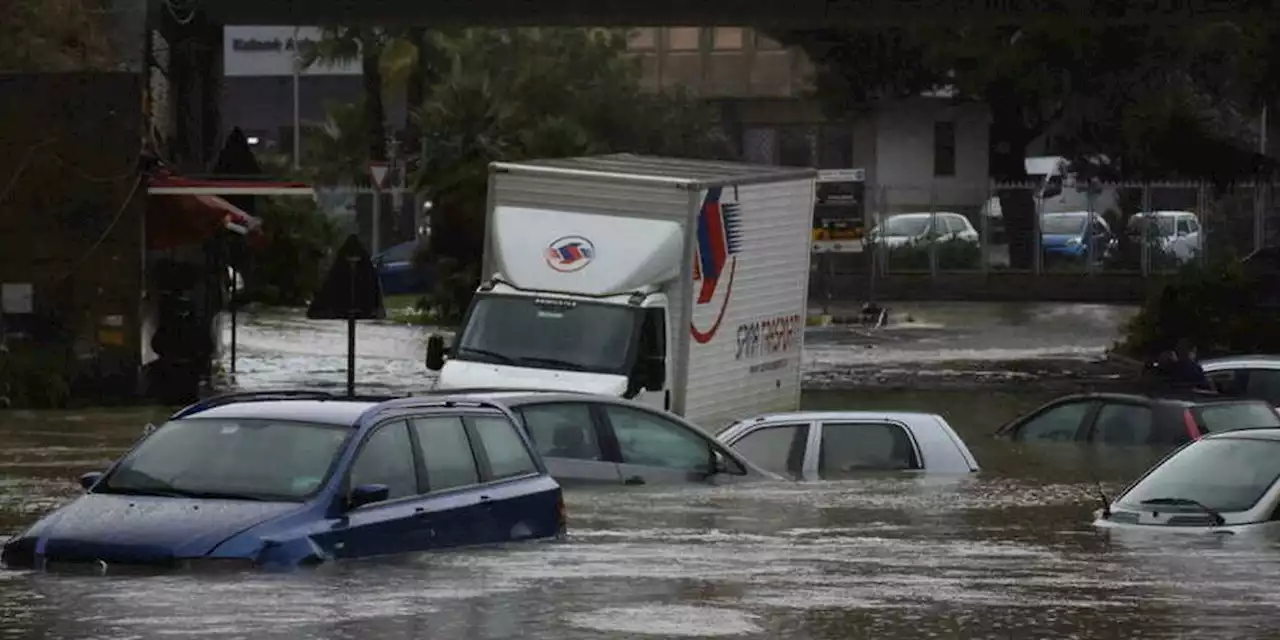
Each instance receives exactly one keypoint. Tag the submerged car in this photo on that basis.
(1224, 483)
(288, 479)
(826, 444)
(597, 439)
(1254, 376)
(1128, 419)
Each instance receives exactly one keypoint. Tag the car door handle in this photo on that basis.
(633, 480)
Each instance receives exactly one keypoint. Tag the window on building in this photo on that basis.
(726, 38)
(642, 39)
(684, 38)
(944, 149)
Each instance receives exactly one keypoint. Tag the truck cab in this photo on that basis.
(613, 345)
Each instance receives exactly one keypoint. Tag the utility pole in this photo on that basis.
(297, 119)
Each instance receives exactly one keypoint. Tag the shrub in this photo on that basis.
(951, 254)
(300, 243)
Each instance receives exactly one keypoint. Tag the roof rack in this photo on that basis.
(425, 401)
(274, 394)
(463, 391)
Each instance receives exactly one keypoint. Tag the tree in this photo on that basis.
(54, 36)
(342, 45)
(1147, 97)
(523, 93)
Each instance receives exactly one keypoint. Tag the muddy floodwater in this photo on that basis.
(1006, 553)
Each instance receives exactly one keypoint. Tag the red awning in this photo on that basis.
(168, 185)
(176, 220)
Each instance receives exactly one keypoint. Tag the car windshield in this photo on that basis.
(548, 333)
(910, 225)
(1237, 415)
(1161, 225)
(1224, 474)
(1063, 223)
(237, 459)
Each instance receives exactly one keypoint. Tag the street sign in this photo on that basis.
(351, 290)
(378, 170)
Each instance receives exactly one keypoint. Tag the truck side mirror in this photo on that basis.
(655, 373)
(435, 352)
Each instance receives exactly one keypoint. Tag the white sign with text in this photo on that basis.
(270, 51)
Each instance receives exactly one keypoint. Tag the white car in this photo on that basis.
(825, 444)
(901, 229)
(1255, 376)
(1174, 232)
(1226, 482)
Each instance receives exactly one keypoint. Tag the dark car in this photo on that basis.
(1127, 419)
(596, 439)
(397, 273)
(289, 479)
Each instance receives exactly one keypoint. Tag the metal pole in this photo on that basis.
(297, 119)
(351, 330)
(234, 315)
(377, 219)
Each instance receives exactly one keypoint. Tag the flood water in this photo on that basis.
(1006, 553)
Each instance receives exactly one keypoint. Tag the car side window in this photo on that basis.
(1230, 382)
(865, 446)
(508, 456)
(779, 449)
(1057, 424)
(1121, 424)
(446, 452)
(1193, 225)
(562, 430)
(1184, 227)
(647, 439)
(386, 457)
(1264, 384)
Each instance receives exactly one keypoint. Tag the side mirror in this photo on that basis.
(89, 479)
(367, 494)
(435, 352)
(655, 373)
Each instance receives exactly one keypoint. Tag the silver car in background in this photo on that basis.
(812, 445)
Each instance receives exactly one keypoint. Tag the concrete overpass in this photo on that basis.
(760, 13)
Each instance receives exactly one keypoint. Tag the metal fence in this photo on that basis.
(1124, 227)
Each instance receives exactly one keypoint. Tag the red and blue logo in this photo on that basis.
(719, 240)
(570, 253)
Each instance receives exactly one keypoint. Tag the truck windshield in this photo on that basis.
(548, 333)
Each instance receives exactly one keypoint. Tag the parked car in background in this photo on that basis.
(397, 272)
(1175, 233)
(596, 439)
(902, 229)
(1255, 376)
(1128, 419)
(1223, 483)
(282, 479)
(1076, 235)
(827, 444)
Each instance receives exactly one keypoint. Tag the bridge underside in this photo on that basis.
(761, 13)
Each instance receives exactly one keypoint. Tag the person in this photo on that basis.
(1185, 370)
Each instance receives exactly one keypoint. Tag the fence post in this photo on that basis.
(882, 254)
(984, 232)
(1037, 260)
(934, 234)
(1259, 217)
(1144, 243)
(1202, 204)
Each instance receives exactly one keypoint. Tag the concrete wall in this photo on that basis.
(904, 154)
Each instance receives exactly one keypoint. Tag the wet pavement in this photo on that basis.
(1006, 553)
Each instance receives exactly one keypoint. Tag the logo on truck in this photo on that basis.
(719, 239)
(570, 253)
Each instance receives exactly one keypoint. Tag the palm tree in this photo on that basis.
(344, 45)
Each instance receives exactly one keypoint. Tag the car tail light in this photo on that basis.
(1190, 421)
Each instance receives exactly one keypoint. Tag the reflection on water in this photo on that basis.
(1005, 553)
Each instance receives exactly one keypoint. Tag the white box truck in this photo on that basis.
(679, 284)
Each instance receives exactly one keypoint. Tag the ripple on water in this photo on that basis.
(668, 621)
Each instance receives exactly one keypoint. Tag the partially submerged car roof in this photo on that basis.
(321, 407)
(1245, 434)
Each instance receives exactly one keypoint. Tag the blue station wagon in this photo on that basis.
(285, 479)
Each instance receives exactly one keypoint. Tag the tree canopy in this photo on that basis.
(54, 36)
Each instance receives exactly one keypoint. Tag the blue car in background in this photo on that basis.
(1069, 235)
(397, 274)
(287, 479)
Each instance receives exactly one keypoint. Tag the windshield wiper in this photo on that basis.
(1217, 517)
(490, 354)
(555, 362)
(143, 491)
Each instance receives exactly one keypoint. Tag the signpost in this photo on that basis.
(350, 292)
(378, 171)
